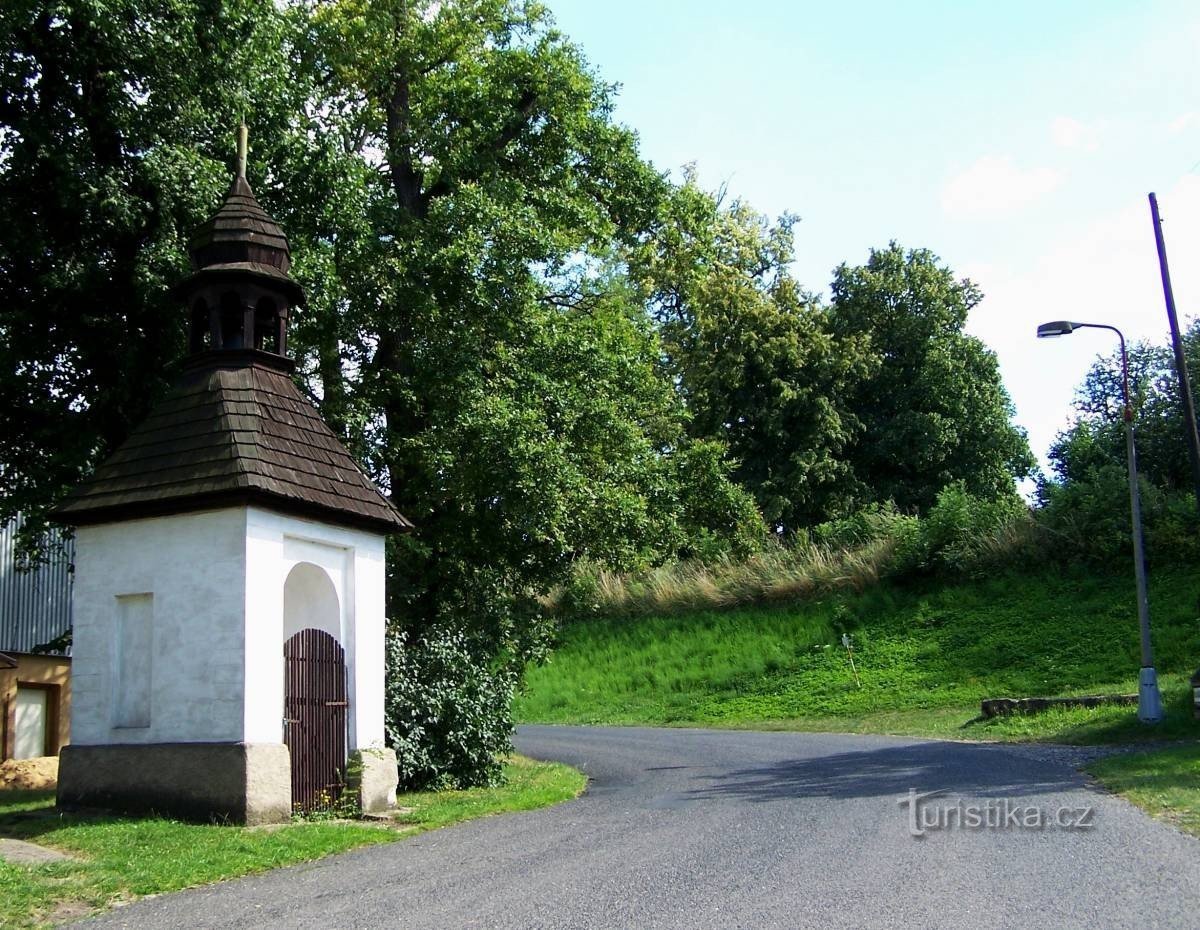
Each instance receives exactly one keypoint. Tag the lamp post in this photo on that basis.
(1149, 700)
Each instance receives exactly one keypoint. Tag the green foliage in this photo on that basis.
(1087, 506)
(870, 524)
(1162, 782)
(957, 534)
(750, 351)
(506, 392)
(962, 535)
(1097, 437)
(451, 180)
(718, 518)
(1088, 519)
(932, 405)
(1173, 531)
(110, 116)
(446, 710)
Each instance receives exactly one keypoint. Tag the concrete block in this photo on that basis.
(248, 783)
(373, 775)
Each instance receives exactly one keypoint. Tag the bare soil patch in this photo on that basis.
(29, 774)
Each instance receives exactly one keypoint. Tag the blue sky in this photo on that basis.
(1017, 140)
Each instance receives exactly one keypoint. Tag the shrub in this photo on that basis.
(962, 534)
(585, 591)
(1089, 517)
(1089, 520)
(1172, 527)
(871, 524)
(448, 711)
(960, 529)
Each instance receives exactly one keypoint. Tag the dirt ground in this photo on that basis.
(29, 773)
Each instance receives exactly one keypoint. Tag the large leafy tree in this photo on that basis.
(933, 407)
(1086, 504)
(508, 397)
(751, 351)
(504, 390)
(452, 182)
(111, 115)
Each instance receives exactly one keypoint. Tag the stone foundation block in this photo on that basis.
(373, 775)
(248, 783)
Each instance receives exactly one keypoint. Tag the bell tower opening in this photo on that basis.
(267, 328)
(239, 292)
(199, 333)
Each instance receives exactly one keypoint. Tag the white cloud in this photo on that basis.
(1104, 272)
(1069, 133)
(1182, 122)
(995, 186)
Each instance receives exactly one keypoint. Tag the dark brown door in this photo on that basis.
(314, 712)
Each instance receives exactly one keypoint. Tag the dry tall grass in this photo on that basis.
(961, 537)
(780, 573)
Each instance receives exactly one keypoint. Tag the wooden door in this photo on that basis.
(315, 713)
(31, 722)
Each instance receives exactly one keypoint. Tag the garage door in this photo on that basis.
(32, 716)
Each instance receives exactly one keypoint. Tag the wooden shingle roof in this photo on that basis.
(235, 429)
(240, 230)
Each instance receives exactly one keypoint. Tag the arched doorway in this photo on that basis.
(315, 696)
(310, 602)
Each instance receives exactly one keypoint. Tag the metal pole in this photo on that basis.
(1139, 555)
(1149, 699)
(1185, 387)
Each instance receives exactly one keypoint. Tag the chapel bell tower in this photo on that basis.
(229, 572)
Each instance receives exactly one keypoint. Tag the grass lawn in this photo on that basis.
(925, 656)
(123, 858)
(1165, 783)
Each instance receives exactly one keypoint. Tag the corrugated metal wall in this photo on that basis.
(35, 606)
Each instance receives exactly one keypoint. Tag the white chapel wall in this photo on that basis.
(178, 582)
(353, 562)
(209, 587)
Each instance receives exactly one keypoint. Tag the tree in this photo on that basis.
(933, 406)
(112, 119)
(1086, 506)
(451, 179)
(512, 407)
(1097, 436)
(755, 362)
(504, 389)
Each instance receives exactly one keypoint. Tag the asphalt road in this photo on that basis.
(694, 829)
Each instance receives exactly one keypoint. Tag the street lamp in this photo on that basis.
(1149, 700)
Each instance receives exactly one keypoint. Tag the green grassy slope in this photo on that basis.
(925, 656)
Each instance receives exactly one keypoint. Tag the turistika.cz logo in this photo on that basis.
(989, 814)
